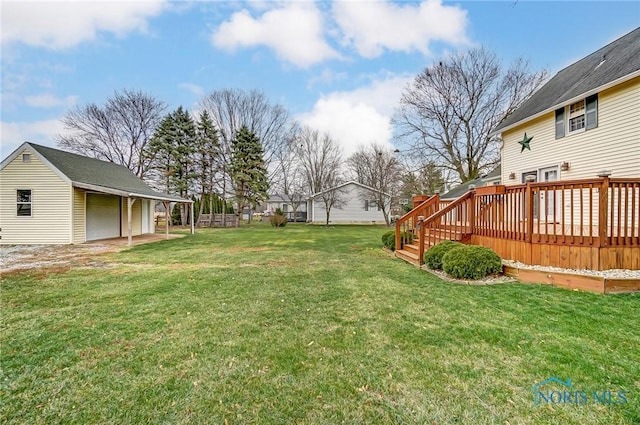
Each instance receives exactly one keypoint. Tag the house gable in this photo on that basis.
(612, 145)
(585, 120)
(613, 64)
(50, 220)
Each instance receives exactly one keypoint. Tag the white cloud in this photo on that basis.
(376, 26)
(359, 117)
(60, 25)
(48, 100)
(43, 132)
(192, 88)
(294, 31)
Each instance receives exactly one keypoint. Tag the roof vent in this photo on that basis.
(26, 157)
(603, 59)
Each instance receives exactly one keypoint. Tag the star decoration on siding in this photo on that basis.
(525, 143)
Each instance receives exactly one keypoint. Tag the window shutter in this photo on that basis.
(559, 123)
(366, 205)
(592, 112)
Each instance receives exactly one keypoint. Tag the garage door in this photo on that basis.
(103, 216)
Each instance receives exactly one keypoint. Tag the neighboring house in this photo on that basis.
(283, 202)
(358, 206)
(585, 120)
(49, 196)
(276, 201)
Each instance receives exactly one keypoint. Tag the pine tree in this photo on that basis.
(173, 146)
(208, 146)
(247, 169)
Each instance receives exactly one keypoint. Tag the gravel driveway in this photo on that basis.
(14, 258)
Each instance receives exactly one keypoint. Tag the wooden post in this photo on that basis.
(130, 202)
(398, 240)
(167, 217)
(603, 208)
(192, 223)
(472, 209)
(529, 201)
(421, 237)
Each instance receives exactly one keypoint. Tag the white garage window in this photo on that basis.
(23, 202)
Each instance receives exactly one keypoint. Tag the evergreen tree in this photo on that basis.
(208, 146)
(173, 146)
(247, 169)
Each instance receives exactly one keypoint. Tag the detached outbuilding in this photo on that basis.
(49, 196)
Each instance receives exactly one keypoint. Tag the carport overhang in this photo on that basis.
(132, 197)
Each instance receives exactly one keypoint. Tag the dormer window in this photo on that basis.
(579, 116)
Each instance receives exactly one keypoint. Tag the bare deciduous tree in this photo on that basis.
(333, 197)
(377, 167)
(118, 132)
(450, 108)
(290, 181)
(320, 158)
(231, 109)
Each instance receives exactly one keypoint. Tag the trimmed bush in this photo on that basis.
(471, 262)
(433, 256)
(389, 240)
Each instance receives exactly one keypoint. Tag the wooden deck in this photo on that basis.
(580, 224)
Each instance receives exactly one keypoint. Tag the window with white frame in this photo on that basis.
(23, 202)
(577, 117)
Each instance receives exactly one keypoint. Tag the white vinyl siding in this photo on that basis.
(103, 216)
(50, 221)
(352, 211)
(79, 216)
(613, 145)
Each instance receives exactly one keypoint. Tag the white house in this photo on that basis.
(49, 196)
(356, 205)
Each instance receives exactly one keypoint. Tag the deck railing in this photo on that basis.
(602, 212)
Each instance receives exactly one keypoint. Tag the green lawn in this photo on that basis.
(303, 325)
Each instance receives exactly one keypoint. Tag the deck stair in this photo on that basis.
(591, 224)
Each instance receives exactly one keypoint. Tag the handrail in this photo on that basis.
(410, 219)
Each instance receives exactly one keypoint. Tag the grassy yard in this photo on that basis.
(304, 325)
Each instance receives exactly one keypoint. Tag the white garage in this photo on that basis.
(49, 196)
(103, 216)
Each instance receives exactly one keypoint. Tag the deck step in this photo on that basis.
(413, 248)
(407, 256)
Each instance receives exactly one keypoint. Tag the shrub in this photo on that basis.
(278, 219)
(471, 262)
(433, 256)
(389, 240)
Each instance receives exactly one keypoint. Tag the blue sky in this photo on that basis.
(336, 66)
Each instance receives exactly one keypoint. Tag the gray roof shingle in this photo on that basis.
(616, 60)
(91, 171)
